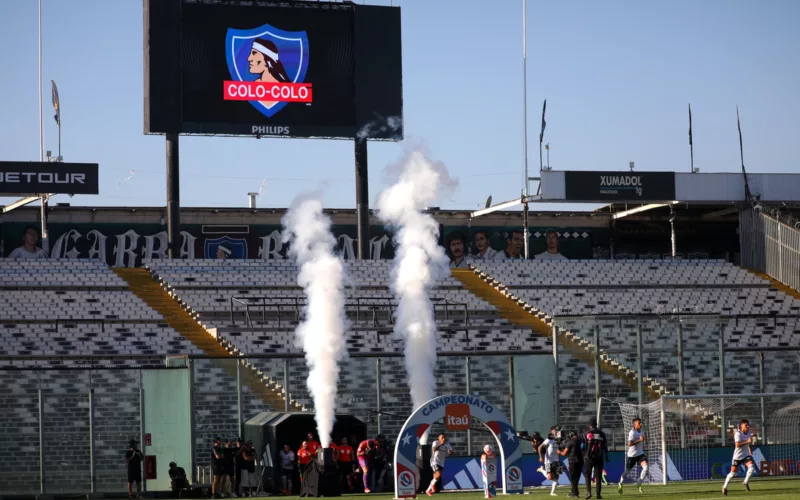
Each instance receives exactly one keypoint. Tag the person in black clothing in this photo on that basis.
(229, 467)
(217, 466)
(573, 450)
(595, 448)
(179, 482)
(249, 476)
(237, 464)
(134, 458)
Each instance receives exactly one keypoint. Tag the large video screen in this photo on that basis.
(305, 70)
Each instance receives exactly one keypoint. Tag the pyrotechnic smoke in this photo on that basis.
(419, 261)
(322, 276)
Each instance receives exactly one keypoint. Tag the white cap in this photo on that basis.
(488, 449)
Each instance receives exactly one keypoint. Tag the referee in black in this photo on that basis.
(595, 449)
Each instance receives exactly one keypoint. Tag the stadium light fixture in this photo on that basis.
(642, 208)
(20, 203)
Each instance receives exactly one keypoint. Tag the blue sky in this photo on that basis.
(617, 76)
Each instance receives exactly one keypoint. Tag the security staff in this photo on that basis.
(573, 450)
(595, 449)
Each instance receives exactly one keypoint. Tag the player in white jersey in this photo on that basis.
(742, 455)
(439, 451)
(635, 455)
(552, 465)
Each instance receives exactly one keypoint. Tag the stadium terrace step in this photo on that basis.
(520, 313)
(143, 285)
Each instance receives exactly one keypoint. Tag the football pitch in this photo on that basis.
(778, 489)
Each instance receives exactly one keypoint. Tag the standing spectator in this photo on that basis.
(217, 466)
(29, 250)
(303, 459)
(238, 464)
(345, 460)
(287, 469)
(178, 479)
(248, 469)
(133, 459)
(229, 467)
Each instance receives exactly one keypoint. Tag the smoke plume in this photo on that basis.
(322, 275)
(418, 263)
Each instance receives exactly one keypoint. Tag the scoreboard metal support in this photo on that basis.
(362, 199)
(173, 197)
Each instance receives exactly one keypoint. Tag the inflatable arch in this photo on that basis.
(452, 410)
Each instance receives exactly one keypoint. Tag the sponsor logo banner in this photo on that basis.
(457, 417)
(20, 177)
(619, 186)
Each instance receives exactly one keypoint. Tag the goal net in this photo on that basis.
(691, 437)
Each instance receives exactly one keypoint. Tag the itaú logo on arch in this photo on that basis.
(267, 91)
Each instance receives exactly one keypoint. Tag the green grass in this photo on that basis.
(772, 489)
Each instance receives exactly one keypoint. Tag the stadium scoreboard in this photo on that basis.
(308, 69)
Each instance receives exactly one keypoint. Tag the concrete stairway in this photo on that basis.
(519, 312)
(142, 284)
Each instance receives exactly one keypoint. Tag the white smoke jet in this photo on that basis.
(419, 261)
(322, 275)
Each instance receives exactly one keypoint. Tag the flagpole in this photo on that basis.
(41, 113)
(691, 142)
(45, 243)
(525, 125)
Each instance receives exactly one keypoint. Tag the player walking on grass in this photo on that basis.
(635, 455)
(439, 451)
(742, 455)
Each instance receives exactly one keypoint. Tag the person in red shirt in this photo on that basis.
(313, 445)
(345, 460)
(303, 459)
(364, 452)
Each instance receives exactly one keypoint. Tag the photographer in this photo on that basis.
(380, 464)
(572, 449)
(249, 476)
(133, 459)
(178, 479)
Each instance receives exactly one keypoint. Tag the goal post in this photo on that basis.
(688, 437)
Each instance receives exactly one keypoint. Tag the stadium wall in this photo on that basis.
(125, 237)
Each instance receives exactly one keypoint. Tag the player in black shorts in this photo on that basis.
(217, 466)
(635, 455)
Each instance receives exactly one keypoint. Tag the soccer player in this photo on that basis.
(742, 455)
(551, 462)
(364, 451)
(635, 455)
(303, 460)
(489, 483)
(439, 451)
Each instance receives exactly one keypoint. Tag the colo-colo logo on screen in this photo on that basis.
(268, 69)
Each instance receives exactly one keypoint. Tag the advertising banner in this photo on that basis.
(619, 186)
(34, 177)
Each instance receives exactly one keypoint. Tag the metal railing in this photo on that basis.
(376, 308)
(770, 246)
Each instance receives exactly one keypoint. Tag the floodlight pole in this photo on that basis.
(525, 127)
